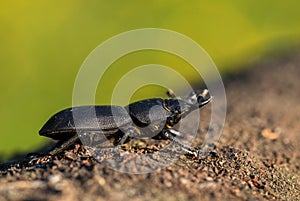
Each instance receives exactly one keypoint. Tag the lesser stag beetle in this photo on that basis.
(129, 120)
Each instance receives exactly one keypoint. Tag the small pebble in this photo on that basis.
(269, 134)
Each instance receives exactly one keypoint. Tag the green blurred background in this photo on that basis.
(43, 44)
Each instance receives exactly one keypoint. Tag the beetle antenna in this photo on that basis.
(171, 93)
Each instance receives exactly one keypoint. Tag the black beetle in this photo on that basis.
(129, 120)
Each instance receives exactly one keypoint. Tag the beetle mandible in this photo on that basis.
(129, 120)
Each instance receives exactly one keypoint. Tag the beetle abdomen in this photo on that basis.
(87, 118)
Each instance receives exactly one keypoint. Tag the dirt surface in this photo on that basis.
(257, 157)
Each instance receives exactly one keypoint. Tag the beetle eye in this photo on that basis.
(200, 99)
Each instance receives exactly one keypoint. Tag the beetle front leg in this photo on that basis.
(175, 132)
(185, 147)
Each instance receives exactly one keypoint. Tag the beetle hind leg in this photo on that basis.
(55, 150)
(64, 145)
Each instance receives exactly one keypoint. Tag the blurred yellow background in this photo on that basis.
(43, 44)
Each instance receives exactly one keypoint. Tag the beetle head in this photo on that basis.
(180, 107)
(198, 100)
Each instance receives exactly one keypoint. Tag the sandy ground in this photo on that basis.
(257, 157)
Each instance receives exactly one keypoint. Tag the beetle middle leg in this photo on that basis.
(129, 132)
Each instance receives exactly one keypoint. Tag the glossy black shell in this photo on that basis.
(142, 112)
(88, 118)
